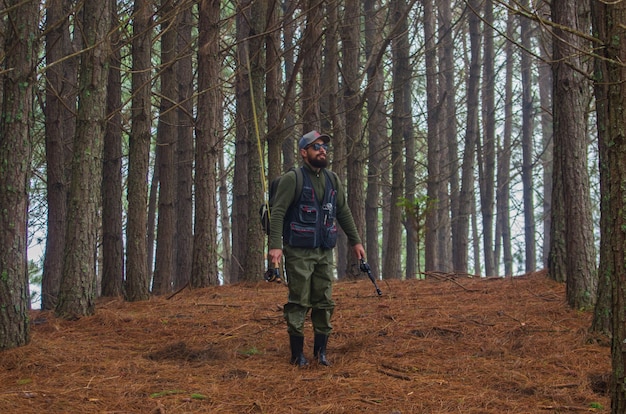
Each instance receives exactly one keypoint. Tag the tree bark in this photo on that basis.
(184, 147)
(434, 147)
(487, 152)
(571, 101)
(353, 105)
(610, 88)
(167, 139)
(471, 138)
(401, 76)
(527, 143)
(60, 113)
(137, 284)
(77, 293)
(112, 243)
(15, 153)
(503, 221)
(376, 130)
(205, 255)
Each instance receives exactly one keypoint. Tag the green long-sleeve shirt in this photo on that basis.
(285, 196)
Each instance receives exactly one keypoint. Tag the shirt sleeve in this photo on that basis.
(345, 218)
(285, 194)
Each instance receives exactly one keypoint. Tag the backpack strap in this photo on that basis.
(299, 182)
(334, 178)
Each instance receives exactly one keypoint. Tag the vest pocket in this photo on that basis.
(303, 236)
(329, 236)
(307, 214)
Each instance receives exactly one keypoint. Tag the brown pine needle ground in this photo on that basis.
(440, 345)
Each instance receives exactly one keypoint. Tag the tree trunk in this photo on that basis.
(15, 153)
(311, 56)
(351, 53)
(603, 90)
(167, 138)
(333, 118)
(487, 153)
(503, 221)
(401, 76)
(450, 156)
(376, 129)
(610, 77)
(60, 116)
(112, 243)
(527, 143)
(204, 265)
(545, 83)
(184, 148)
(471, 139)
(571, 99)
(137, 285)
(77, 293)
(434, 147)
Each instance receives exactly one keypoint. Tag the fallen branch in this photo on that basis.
(394, 375)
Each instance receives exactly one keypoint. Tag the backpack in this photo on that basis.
(266, 208)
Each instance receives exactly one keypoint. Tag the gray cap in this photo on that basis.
(310, 137)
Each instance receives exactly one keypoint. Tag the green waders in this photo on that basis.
(310, 277)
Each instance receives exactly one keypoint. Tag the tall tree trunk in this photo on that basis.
(77, 293)
(434, 147)
(60, 126)
(184, 147)
(401, 76)
(15, 153)
(450, 157)
(545, 83)
(224, 210)
(311, 56)
(527, 143)
(275, 124)
(606, 95)
(167, 138)
(487, 153)
(243, 127)
(137, 284)
(248, 239)
(376, 130)
(571, 98)
(610, 77)
(112, 240)
(289, 26)
(333, 117)
(471, 139)
(351, 52)
(205, 254)
(503, 221)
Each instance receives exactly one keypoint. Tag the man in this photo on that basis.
(303, 229)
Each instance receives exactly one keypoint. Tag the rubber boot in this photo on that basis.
(297, 355)
(319, 349)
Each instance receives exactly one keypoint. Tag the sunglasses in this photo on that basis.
(318, 146)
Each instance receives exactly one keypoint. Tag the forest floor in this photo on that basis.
(439, 345)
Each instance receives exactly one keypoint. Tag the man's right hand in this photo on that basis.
(276, 255)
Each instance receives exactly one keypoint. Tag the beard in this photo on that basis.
(318, 162)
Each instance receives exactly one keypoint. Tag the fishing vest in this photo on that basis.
(309, 223)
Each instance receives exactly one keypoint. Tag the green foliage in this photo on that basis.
(250, 351)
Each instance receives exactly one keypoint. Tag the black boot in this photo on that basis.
(319, 349)
(297, 355)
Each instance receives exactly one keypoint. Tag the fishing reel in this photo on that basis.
(272, 275)
(365, 268)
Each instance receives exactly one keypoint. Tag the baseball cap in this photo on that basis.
(310, 137)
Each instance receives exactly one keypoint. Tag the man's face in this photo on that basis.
(316, 154)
